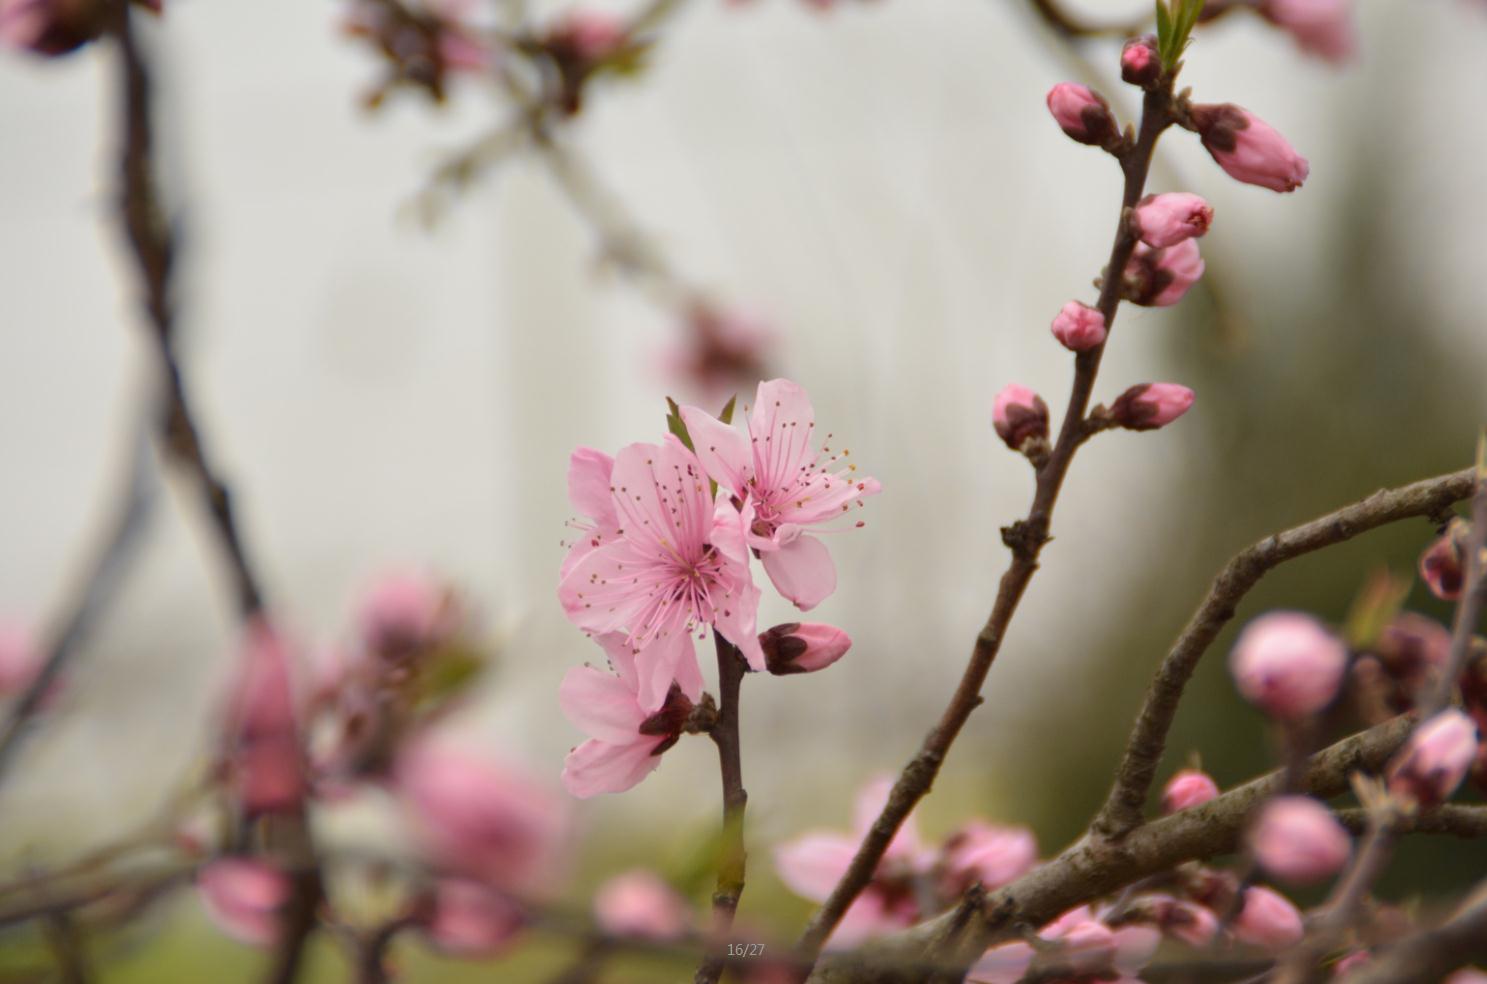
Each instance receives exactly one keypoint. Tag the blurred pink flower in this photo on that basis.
(1186, 789)
(1268, 920)
(639, 904)
(1162, 277)
(677, 563)
(790, 486)
(265, 759)
(987, 854)
(1288, 664)
(1248, 148)
(1182, 920)
(406, 611)
(1321, 27)
(719, 351)
(1435, 759)
(590, 35)
(53, 27)
(1166, 220)
(469, 919)
(802, 647)
(1079, 327)
(244, 898)
(1019, 415)
(1148, 406)
(1298, 840)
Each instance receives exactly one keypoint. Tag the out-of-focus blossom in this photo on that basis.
(406, 612)
(20, 658)
(1166, 220)
(1350, 963)
(1019, 415)
(1162, 277)
(245, 898)
(802, 647)
(1079, 327)
(469, 919)
(1268, 920)
(1298, 840)
(784, 485)
(1186, 789)
(1288, 664)
(627, 739)
(639, 904)
(1408, 657)
(1248, 148)
(1148, 406)
(1443, 567)
(265, 759)
(1467, 975)
(1180, 919)
(1078, 944)
(582, 43)
(54, 27)
(480, 819)
(720, 352)
(421, 46)
(986, 854)
(1435, 759)
(1082, 113)
(1321, 27)
(677, 562)
(1140, 64)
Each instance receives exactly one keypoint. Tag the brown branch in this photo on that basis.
(1448, 819)
(731, 669)
(1073, 28)
(1431, 955)
(1124, 809)
(1025, 538)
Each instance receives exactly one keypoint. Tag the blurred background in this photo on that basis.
(881, 185)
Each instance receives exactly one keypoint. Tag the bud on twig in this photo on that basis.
(1083, 114)
(1248, 148)
(1019, 416)
(1140, 64)
(1148, 406)
(802, 647)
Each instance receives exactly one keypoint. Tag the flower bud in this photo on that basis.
(245, 898)
(1412, 651)
(1180, 919)
(1434, 761)
(469, 919)
(1083, 114)
(264, 752)
(1268, 920)
(1248, 148)
(1166, 220)
(802, 647)
(1019, 415)
(1321, 27)
(1161, 277)
(51, 27)
(1443, 566)
(1288, 664)
(1299, 841)
(1187, 789)
(1148, 406)
(1079, 327)
(638, 904)
(1139, 62)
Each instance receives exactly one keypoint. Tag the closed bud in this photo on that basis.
(1079, 327)
(1019, 415)
(1083, 114)
(1139, 62)
(1434, 761)
(1187, 789)
(1298, 840)
(1248, 148)
(1288, 664)
(802, 647)
(1443, 566)
(1166, 220)
(1268, 920)
(1148, 406)
(1161, 277)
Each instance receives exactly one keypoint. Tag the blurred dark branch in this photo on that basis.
(67, 946)
(1450, 819)
(730, 886)
(1073, 28)
(1431, 955)
(1124, 808)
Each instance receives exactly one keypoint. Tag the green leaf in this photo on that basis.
(1175, 22)
(449, 672)
(1379, 601)
(677, 425)
(727, 415)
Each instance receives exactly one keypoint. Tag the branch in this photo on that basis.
(1431, 955)
(1073, 28)
(1125, 807)
(731, 669)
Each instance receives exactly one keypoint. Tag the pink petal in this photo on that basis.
(662, 661)
(870, 802)
(866, 917)
(662, 499)
(723, 451)
(737, 618)
(812, 864)
(600, 704)
(599, 594)
(589, 472)
(616, 646)
(598, 767)
(781, 430)
(802, 571)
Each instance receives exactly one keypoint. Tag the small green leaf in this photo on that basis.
(677, 425)
(449, 671)
(1376, 605)
(727, 415)
(1175, 22)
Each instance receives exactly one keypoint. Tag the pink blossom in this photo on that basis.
(1005, 964)
(1248, 148)
(1435, 759)
(627, 739)
(1079, 327)
(1187, 789)
(1413, 650)
(1082, 113)
(1162, 277)
(1298, 840)
(1139, 62)
(1166, 220)
(788, 486)
(1288, 664)
(469, 919)
(1148, 406)
(1268, 920)
(265, 758)
(477, 818)
(591, 35)
(405, 611)
(719, 351)
(1019, 415)
(989, 855)
(1321, 27)
(675, 563)
(245, 898)
(803, 647)
(1443, 568)
(639, 904)
(1182, 920)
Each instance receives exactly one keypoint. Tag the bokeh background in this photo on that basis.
(881, 184)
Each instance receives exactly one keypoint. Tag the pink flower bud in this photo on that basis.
(803, 647)
(1412, 650)
(1166, 220)
(638, 904)
(469, 919)
(1268, 920)
(1299, 841)
(1443, 567)
(1288, 664)
(265, 758)
(1148, 406)
(1019, 415)
(1434, 761)
(1248, 148)
(1079, 327)
(1187, 789)
(1139, 62)
(51, 27)
(589, 35)
(1321, 27)
(1182, 920)
(244, 898)
(1162, 277)
(986, 854)
(1082, 113)
(405, 612)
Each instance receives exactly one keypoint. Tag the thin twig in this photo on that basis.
(731, 863)
(1431, 955)
(1072, 28)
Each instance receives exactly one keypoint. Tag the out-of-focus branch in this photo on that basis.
(1431, 955)
(1074, 28)
(731, 862)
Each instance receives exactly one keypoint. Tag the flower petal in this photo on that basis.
(736, 617)
(589, 473)
(601, 704)
(812, 864)
(781, 430)
(598, 767)
(661, 662)
(723, 451)
(802, 571)
(599, 593)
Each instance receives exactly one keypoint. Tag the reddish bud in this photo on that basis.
(469, 919)
(1268, 920)
(1079, 327)
(1298, 840)
(1248, 148)
(803, 647)
(1187, 789)
(1166, 220)
(1139, 62)
(1148, 406)
(1162, 277)
(1288, 664)
(1083, 114)
(1434, 761)
(1443, 565)
(265, 759)
(1019, 415)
